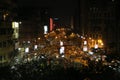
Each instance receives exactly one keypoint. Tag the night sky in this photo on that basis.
(54, 7)
(34, 9)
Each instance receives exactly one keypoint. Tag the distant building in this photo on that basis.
(6, 37)
(99, 20)
(32, 29)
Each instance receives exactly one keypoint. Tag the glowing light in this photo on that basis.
(56, 37)
(99, 41)
(61, 43)
(90, 38)
(85, 48)
(65, 37)
(35, 54)
(39, 38)
(15, 24)
(62, 50)
(28, 59)
(91, 53)
(26, 50)
(63, 56)
(102, 44)
(56, 18)
(42, 57)
(96, 46)
(35, 47)
(51, 24)
(28, 41)
(5, 15)
(81, 36)
(20, 22)
(85, 42)
(45, 29)
(19, 49)
(57, 56)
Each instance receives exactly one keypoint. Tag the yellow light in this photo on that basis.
(92, 39)
(56, 37)
(89, 37)
(102, 44)
(83, 37)
(99, 41)
(6, 14)
(15, 25)
(39, 38)
(45, 36)
(65, 36)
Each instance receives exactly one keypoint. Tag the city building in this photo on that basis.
(6, 37)
(99, 20)
(33, 27)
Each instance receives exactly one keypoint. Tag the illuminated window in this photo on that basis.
(62, 50)
(61, 43)
(85, 42)
(45, 29)
(26, 50)
(35, 47)
(96, 46)
(85, 48)
(15, 26)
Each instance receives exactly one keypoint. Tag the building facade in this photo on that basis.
(6, 37)
(99, 20)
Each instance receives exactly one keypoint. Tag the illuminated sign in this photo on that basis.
(51, 24)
